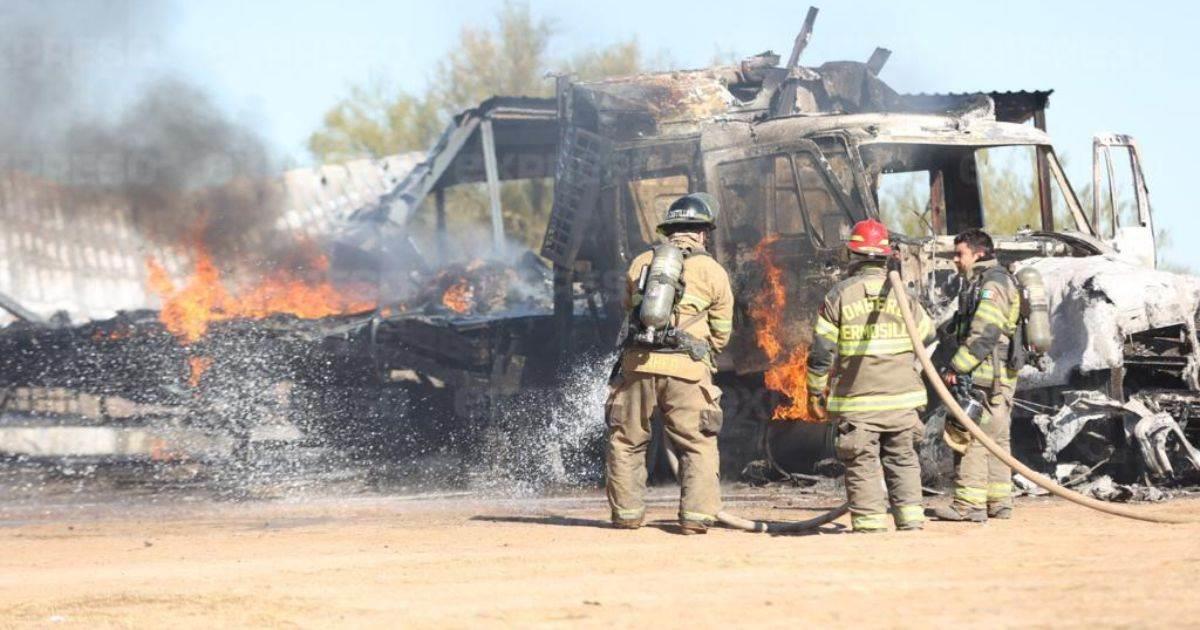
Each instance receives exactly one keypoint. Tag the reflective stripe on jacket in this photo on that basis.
(860, 325)
(983, 340)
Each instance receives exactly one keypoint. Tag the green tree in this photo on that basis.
(374, 121)
(904, 207)
(1165, 244)
(509, 59)
(620, 59)
(1007, 186)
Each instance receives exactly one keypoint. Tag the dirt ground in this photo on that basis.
(465, 561)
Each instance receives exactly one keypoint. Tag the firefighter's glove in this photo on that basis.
(818, 408)
(956, 435)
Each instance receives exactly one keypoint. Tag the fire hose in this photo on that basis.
(952, 406)
(767, 527)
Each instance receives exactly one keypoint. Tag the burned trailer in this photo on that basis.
(414, 371)
(371, 386)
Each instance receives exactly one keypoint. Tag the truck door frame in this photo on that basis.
(828, 257)
(1137, 241)
(1102, 145)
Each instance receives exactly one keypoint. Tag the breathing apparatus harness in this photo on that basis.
(653, 323)
(1027, 341)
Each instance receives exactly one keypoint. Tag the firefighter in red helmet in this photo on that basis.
(876, 391)
(870, 238)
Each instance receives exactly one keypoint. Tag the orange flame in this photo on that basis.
(786, 376)
(116, 334)
(196, 368)
(203, 299)
(459, 297)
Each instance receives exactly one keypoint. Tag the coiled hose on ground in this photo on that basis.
(952, 405)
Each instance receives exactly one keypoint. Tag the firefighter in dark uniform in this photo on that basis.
(987, 319)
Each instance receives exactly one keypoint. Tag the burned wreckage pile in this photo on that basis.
(795, 154)
(355, 376)
(1136, 327)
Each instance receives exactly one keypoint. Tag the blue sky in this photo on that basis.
(1113, 66)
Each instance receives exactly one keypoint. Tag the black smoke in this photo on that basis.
(89, 103)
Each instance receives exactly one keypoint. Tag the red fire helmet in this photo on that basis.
(870, 238)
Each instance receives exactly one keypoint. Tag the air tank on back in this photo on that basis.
(658, 295)
(1036, 305)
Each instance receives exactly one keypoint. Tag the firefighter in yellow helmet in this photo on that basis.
(681, 315)
(988, 315)
(876, 390)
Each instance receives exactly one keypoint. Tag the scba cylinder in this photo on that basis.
(658, 298)
(1037, 310)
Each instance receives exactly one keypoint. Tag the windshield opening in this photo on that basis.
(929, 190)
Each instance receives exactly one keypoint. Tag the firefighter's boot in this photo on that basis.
(626, 523)
(956, 513)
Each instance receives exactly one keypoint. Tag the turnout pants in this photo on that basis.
(981, 479)
(691, 414)
(875, 456)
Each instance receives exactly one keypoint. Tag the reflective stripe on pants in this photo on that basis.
(979, 474)
(999, 491)
(878, 402)
(691, 421)
(970, 497)
(868, 521)
(905, 514)
(882, 469)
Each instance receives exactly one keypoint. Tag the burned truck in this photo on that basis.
(796, 155)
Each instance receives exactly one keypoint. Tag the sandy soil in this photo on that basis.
(466, 561)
